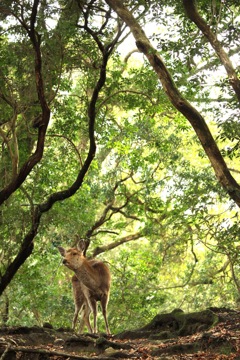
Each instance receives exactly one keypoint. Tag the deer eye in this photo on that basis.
(74, 254)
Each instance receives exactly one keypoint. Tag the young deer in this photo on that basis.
(93, 285)
(80, 301)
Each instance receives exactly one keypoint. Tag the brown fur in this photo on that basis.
(93, 285)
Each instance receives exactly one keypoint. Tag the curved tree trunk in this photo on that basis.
(179, 102)
(34, 159)
(193, 14)
(28, 244)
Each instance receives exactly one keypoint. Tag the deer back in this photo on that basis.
(95, 276)
(103, 273)
(102, 278)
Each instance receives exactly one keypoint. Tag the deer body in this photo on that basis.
(94, 285)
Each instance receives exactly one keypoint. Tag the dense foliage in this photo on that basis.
(93, 146)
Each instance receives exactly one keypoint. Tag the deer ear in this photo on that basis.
(81, 245)
(61, 250)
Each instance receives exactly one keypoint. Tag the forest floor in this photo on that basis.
(213, 334)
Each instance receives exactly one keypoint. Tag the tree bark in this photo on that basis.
(28, 244)
(193, 15)
(27, 167)
(179, 102)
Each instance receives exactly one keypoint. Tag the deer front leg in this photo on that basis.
(76, 312)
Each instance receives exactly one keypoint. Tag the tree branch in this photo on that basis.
(105, 216)
(179, 102)
(36, 157)
(100, 249)
(22, 349)
(193, 15)
(27, 244)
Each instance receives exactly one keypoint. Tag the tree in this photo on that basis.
(141, 183)
(29, 25)
(196, 120)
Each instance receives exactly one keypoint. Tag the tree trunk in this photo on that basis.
(179, 102)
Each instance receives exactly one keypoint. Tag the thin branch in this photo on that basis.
(71, 143)
(5, 353)
(234, 170)
(130, 54)
(209, 64)
(127, 216)
(193, 14)
(100, 249)
(125, 91)
(105, 216)
(10, 349)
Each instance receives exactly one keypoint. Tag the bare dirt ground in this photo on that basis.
(213, 334)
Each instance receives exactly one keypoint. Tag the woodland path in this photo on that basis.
(213, 334)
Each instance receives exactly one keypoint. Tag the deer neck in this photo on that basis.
(87, 275)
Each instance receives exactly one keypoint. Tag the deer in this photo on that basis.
(80, 302)
(91, 283)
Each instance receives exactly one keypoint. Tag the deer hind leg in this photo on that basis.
(85, 318)
(94, 310)
(82, 320)
(93, 307)
(104, 303)
(91, 304)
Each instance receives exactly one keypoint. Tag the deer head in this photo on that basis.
(72, 258)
